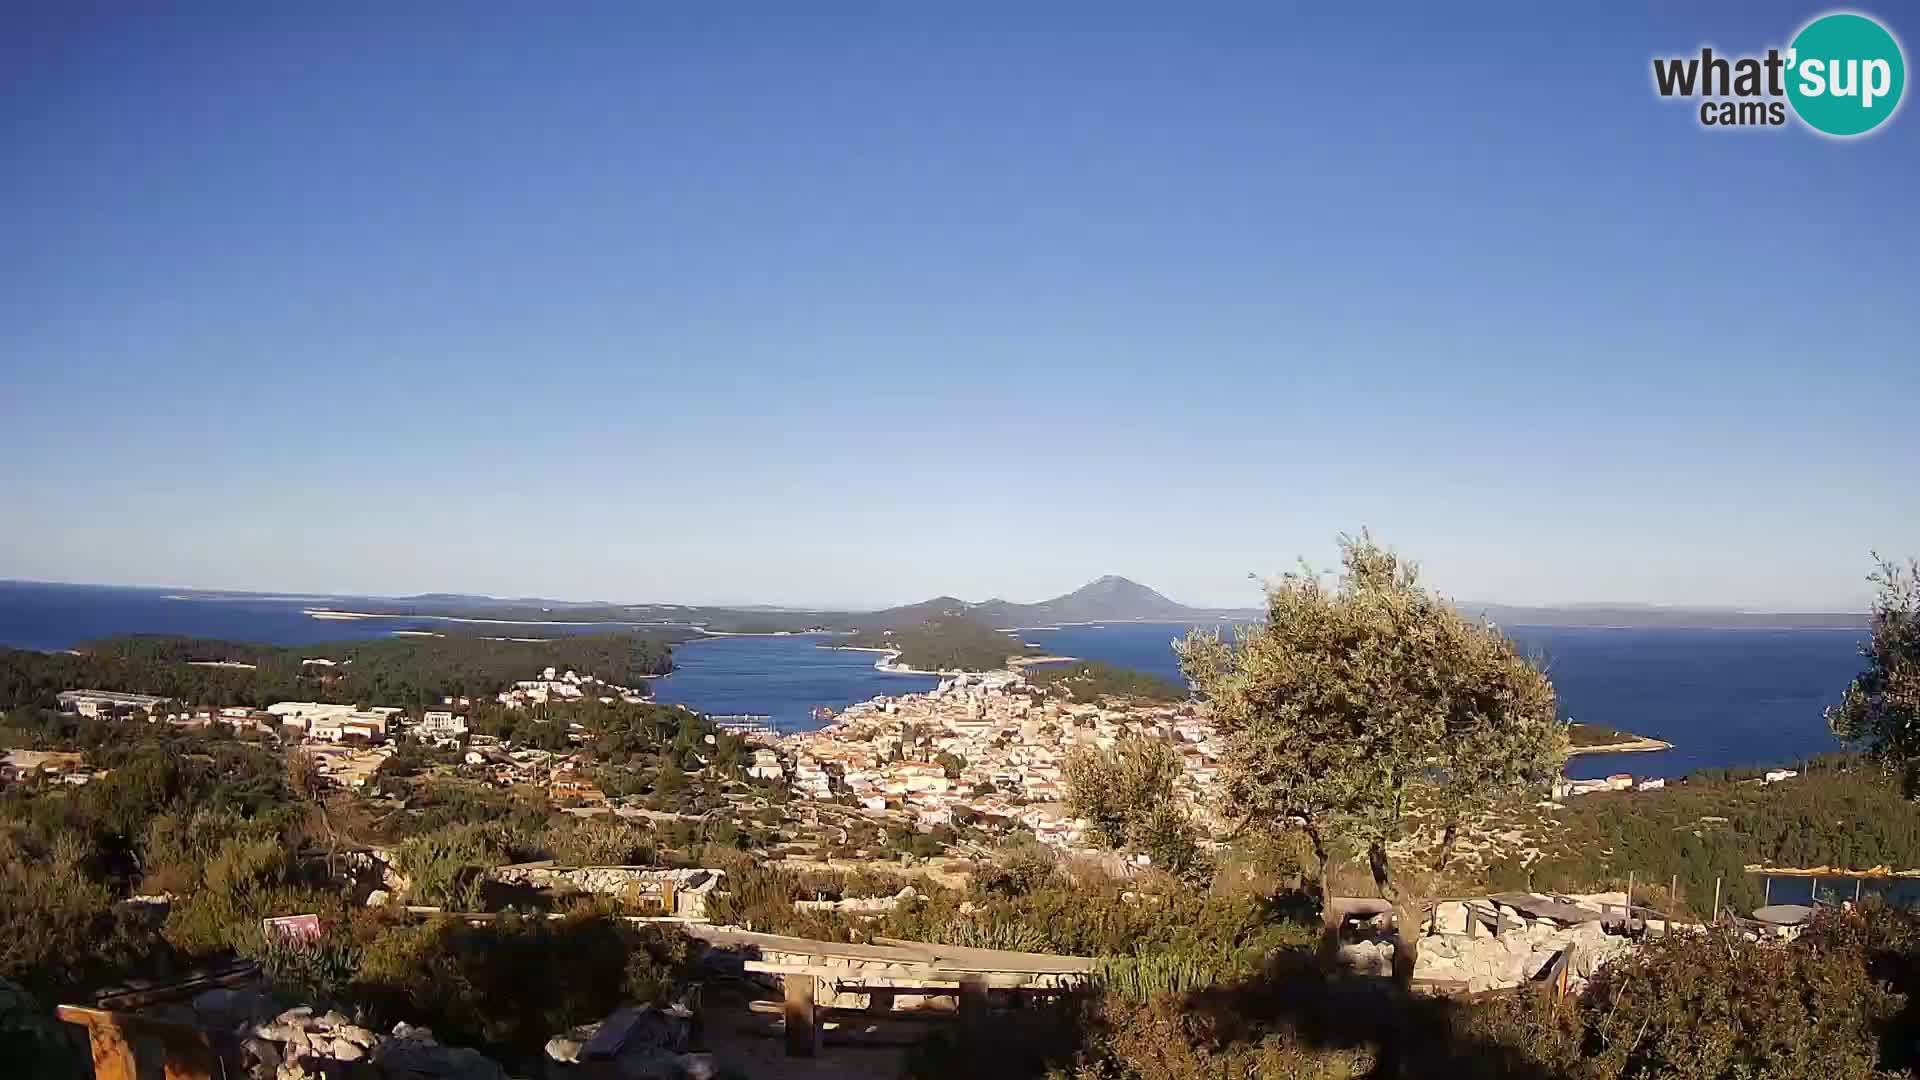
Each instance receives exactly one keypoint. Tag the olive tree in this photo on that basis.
(1881, 710)
(1126, 795)
(1370, 715)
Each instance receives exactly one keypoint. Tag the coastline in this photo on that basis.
(331, 615)
(1637, 745)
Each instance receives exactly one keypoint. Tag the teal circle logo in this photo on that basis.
(1845, 73)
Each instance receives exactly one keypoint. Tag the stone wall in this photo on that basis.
(690, 887)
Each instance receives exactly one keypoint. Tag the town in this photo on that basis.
(982, 754)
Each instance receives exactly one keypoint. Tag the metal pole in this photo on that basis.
(1769, 880)
(1716, 900)
(1629, 901)
(1856, 891)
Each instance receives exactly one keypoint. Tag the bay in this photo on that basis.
(1724, 698)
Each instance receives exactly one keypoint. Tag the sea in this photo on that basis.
(1725, 698)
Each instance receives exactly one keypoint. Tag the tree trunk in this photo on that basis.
(1407, 915)
(1447, 840)
(1330, 914)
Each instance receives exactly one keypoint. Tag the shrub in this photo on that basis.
(509, 985)
(446, 867)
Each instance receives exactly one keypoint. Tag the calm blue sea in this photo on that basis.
(38, 616)
(1724, 698)
(782, 677)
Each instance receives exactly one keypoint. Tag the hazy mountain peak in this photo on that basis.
(1114, 585)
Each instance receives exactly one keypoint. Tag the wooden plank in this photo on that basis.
(117, 1040)
(830, 1015)
(1545, 907)
(918, 975)
(961, 958)
(139, 995)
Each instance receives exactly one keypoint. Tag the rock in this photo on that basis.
(1537, 962)
(430, 1059)
(404, 1030)
(379, 898)
(334, 1019)
(564, 1048)
(346, 1050)
(263, 1051)
(356, 1035)
(276, 1032)
(296, 1015)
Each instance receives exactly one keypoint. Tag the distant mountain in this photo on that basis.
(1108, 599)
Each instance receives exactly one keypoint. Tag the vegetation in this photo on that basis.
(507, 986)
(1881, 710)
(1126, 794)
(1582, 735)
(1710, 829)
(1097, 681)
(1349, 703)
(412, 671)
(941, 643)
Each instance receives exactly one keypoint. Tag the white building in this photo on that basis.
(309, 711)
(440, 726)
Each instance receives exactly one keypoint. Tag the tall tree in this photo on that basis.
(1367, 713)
(1881, 710)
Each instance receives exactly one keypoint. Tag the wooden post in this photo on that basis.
(1629, 901)
(116, 1039)
(803, 1029)
(973, 1002)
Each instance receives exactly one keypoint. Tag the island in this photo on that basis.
(1596, 739)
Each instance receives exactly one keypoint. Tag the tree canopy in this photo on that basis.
(1881, 710)
(1362, 709)
(1126, 794)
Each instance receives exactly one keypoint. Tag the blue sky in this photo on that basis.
(861, 308)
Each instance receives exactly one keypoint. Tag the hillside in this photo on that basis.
(1110, 598)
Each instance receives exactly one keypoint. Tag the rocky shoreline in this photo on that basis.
(1636, 745)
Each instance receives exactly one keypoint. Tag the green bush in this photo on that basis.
(509, 985)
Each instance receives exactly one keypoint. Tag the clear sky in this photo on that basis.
(865, 308)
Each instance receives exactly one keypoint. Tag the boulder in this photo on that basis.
(564, 1048)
